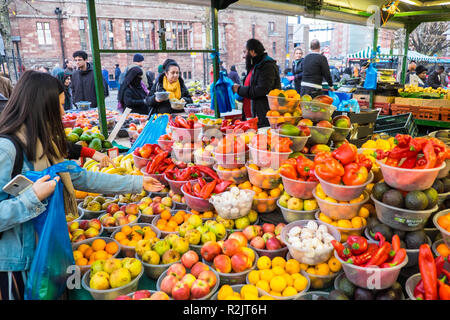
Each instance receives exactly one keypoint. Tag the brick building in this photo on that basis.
(134, 24)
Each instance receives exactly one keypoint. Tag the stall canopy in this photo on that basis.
(412, 55)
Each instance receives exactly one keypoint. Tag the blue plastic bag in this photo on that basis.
(336, 100)
(155, 127)
(351, 105)
(53, 255)
(370, 83)
(224, 93)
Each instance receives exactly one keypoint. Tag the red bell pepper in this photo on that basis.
(429, 155)
(444, 289)
(288, 171)
(409, 163)
(363, 258)
(417, 144)
(428, 272)
(207, 189)
(380, 256)
(322, 156)
(403, 140)
(181, 122)
(354, 174)
(304, 166)
(362, 160)
(346, 153)
(184, 174)
(330, 170)
(222, 186)
(358, 244)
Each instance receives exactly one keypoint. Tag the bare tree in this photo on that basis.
(430, 38)
(5, 28)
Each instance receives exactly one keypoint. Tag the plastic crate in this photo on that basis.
(445, 114)
(401, 123)
(402, 109)
(385, 107)
(363, 103)
(428, 113)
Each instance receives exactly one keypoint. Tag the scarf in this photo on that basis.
(174, 89)
(70, 202)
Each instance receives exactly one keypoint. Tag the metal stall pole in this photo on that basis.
(215, 34)
(409, 28)
(374, 47)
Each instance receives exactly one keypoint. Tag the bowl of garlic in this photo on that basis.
(233, 204)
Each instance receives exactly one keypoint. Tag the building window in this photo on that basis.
(103, 35)
(186, 35)
(184, 75)
(141, 35)
(189, 75)
(147, 35)
(271, 27)
(83, 37)
(43, 32)
(134, 31)
(153, 33)
(111, 34)
(178, 35)
(128, 33)
(274, 48)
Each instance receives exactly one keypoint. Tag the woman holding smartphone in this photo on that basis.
(33, 117)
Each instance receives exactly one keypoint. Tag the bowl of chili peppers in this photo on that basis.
(414, 163)
(177, 177)
(197, 194)
(369, 265)
(402, 219)
(185, 130)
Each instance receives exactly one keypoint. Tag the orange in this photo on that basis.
(267, 274)
(165, 215)
(322, 269)
(136, 236)
(263, 195)
(88, 252)
(444, 221)
(300, 283)
(292, 266)
(179, 218)
(83, 247)
(261, 207)
(111, 247)
(77, 255)
(149, 235)
(278, 271)
(80, 194)
(124, 242)
(119, 236)
(249, 289)
(100, 255)
(208, 214)
(278, 261)
(263, 285)
(186, 217)
(195, 212)
(161, 222)
(98, 244)
(334, 264)
(278, 284)
(289, 291)
(181, 212)
(443, 250)
(126, 230)
(224, 292)
(256, 189)
(172, 224)
(289, 279)
(81, 262)
(275, 192)
(263, 263)
(253, 276)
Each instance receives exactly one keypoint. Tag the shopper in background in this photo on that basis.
(297, 68)
(33, 118)
(233, 75)
(131, 94)
(5, 86)
(138, 61)
(434, 79)
(117, 73)
(411, 70)
(346, 75)
(262, 76)
(171, 82)
(286, 79)
(315, 69)
(419, 77)
(83, 82)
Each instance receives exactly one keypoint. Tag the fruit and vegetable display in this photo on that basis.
(99, 249)
(413, 91)
(84, 229)
(198, 232)
(265, 237)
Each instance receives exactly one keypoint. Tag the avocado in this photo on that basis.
(438, 185)
(416, 200)
(98, 136)
(288, 129)
(78, 131)
(363, 294)
(384, 230)
(96, 144)
(441, 134)
(379, 189)
(401, 234)
(415, 239)
(106, 144)
(432, 196)
(402, 244)
(372, 222)
(337, 295)
(446, 182)
(388, 294)
(347, 287)
(394, 198)
(86, 137)
(295, 155)
(72, 137)
(397, 287)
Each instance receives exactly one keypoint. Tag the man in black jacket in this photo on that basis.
(315, 69)
(434, 79)
(262, 76)
(83, 83)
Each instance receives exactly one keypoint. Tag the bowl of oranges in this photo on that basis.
(236, 175)
(128, 237)
(169, 221)
(88, 251)
(265, 178)
(442, 221)
(283, 101)
(279, 278)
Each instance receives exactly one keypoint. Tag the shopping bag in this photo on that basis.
(370, 83)
(155, 127)
(336, 100)
(53, 255)
(224, 94)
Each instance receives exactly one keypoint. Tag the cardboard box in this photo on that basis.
(415, 102)
(402, 101)
(384, 99)
(361, 97)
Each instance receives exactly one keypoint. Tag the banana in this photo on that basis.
(87, 163)
(91, 165)
(95, 168)
(116, 160)
(128, 165)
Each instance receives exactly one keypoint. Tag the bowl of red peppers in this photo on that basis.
(177, 177)
(343, 173)
(298, 177)
(269, 151)
(370, 265)
(231, 151)
(147, 153)
(414, 163)
(165, 142)
(187, 130)
(432, 283)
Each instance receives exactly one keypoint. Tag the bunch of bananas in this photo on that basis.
(123, 165)
(414, 89)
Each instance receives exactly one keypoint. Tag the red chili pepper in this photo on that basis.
(380, 256)
(197, 190)
(400, 153)
(358, 244)
(343, 252)
(428, 272)
(181, 122)
(346, 153)
(364, 257)
(417, 144)
(439, 261)
(170, 167)
(419, 291)
(184, 174)
(208, 189)
(399, 257)
(222, 186)
(395, 242)
(156, 161)
(187, 187)
(409, 163)
(208, 171)
(403, 140)
(379, 237)
(354, 174)
(429, 155)
(444, 289)
(201, 182)
(161, 168)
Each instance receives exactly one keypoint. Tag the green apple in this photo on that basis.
(208, 236)
(209, 224)
(242, 222)
(181, 245)
(161, 247)
(284, 200)
(219, 230)
(295, 204)
(252, 216)
(184, 228)
(97, 266)
(195, 220)
(202, 229)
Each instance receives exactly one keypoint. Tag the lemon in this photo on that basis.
(278, 262)
(253, 276)
(289, 291)
(300, 283)
(278, 284)
(278, 271)
(264, 263)
(263, 285)
(266, 274)
(292, 266)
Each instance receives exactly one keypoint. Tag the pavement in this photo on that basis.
(111, 100)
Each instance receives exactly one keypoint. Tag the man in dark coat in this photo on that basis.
(117, 73)
(83, 83)
(233, 75)
(434, 79)
(262, 77)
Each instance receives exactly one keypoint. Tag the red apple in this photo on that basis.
(210, 250)
(177, 270)
(123, 208)
(251, 231)
(231, 247)
(168, 283)
(157, 207)
(273, 244)
(222, 263)
(198, 268)
(189, 279)
(141, 294)
(268, 227)
(268, 235)
(132, 208)
(305, 122)
(112, 208)
(281, 241)
(279, 228)
(157, 199)
(239, 235)
(123, 297)
(95, 223)
(258, 243)
(84, 224)
(189, 259)
(159, 296)
(239, 262)
(200, 288)
(324, 124)
(209, 277)
(181, 291)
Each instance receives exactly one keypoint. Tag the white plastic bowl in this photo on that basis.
(317, 111)
(299, 189)
(409, 179)
(402, 219)
(175, 186)
(166, 145)
(153, 271)
(202, 160)
(196, 203)
(337, 211)
(268, 159)
(231, 160)
(445, 234)
(301, 255)
(263, 180)
(140, 162)
(342, 192)
(294, 215)
(236, 175)
(298, 142)
(183, 154)
(444, 172)
(129, 251)
(373, 277)
(161, 177)
(282, 105)
(75, 246)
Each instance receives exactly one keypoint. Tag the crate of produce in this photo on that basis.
(445, 114)
(385, 108)
(401, 123)
(363, 117)
(428, 113)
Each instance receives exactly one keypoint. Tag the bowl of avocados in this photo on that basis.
(407, 211)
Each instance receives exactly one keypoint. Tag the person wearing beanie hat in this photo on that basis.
(138, 61)
(419, 77)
